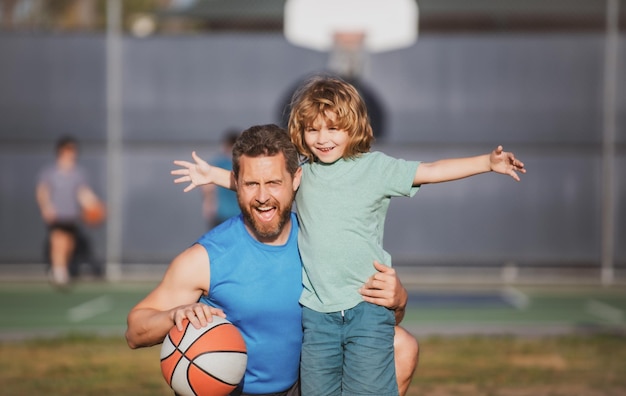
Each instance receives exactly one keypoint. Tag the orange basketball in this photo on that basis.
(93, 215)
(209, 361)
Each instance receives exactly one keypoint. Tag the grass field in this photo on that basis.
(474, 341)
(484, 365)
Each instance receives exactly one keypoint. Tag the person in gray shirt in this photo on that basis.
(62, 193)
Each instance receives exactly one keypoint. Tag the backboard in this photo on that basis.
(386, 24)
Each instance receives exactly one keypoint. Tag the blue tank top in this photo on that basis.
(227, 205)
(258, 287)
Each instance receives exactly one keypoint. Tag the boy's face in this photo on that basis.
(326, 141)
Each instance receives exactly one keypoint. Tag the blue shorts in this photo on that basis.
(349, 352)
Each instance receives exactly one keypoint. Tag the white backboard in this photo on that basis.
(387, 24)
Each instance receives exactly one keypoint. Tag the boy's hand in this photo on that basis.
(196, 174)
(505, 162)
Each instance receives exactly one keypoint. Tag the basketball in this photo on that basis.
(209, 361)
(94, 214)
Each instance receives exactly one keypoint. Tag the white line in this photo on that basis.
(90, 309)
(604, 311)
(515, 297)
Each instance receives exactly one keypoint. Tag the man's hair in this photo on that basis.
(265, 140)
(325, 93)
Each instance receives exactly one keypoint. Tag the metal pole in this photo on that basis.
(608, 142)
(114, 139)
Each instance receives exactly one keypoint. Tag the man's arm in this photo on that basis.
(87, 197)
(42, 195)
(173, 300)
(209, 202)
(384, 288)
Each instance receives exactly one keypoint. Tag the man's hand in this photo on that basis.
(198, 314)
(384, 288)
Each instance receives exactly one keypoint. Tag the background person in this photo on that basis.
(62, 192)
(219, 203)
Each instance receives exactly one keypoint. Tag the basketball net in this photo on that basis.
(351, 29)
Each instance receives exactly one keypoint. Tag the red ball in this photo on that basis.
(94, 214)
(209, 361)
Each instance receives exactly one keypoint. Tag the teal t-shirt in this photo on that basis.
(342, 208)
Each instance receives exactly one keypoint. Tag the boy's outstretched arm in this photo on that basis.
(201, 173)
(498, 160)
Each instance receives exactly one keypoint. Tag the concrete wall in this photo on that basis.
(539, 95)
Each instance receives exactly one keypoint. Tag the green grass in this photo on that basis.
(565, 365)
(79, 365)
(94, 359)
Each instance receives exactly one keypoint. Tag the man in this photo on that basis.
(62, 191)
(249, 268)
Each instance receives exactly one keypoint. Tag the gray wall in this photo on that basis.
(539, 95)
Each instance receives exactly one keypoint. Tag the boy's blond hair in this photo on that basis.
(323, 94)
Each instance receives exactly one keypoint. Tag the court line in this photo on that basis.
(604, 311)
(90, 309)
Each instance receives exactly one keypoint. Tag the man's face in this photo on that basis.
(68, 154)
(265, 191)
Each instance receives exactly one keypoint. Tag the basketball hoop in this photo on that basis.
(385, 25)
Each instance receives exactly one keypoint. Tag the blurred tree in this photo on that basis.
(70, 15)
(7, 11)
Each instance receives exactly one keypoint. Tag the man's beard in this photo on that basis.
(264, 230)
